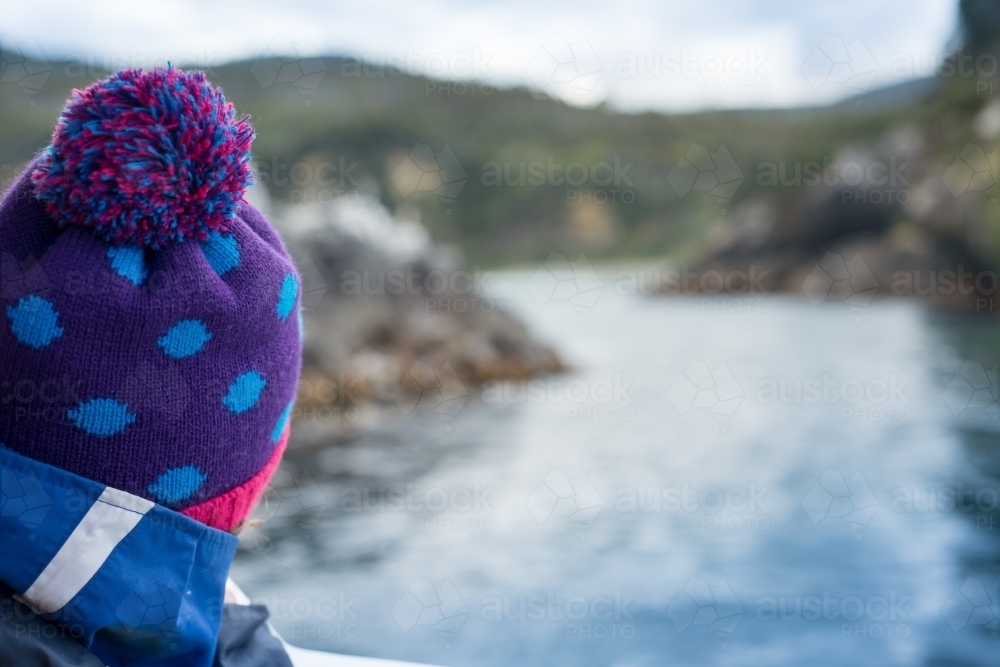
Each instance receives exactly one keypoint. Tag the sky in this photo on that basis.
(670, 56)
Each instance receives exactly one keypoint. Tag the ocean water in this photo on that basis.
(716, 482)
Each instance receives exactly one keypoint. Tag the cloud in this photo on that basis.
(508, 35)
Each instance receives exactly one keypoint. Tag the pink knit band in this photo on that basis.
(229, 510)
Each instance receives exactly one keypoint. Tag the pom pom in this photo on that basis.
(147, 159)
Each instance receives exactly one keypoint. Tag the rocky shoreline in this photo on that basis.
(909, 225)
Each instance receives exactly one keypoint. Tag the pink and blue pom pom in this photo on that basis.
(147, 158)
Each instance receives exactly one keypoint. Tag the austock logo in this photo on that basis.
(833, 496)
(558, 279)
(572, 498)
(423, 387)
(565, 69)
(699, 170)
(298, 498)
(701, 604)
(21, 277)
(715, 389)
(424, 170)
(440, 606)
(833, 279)
(23, 497)
(15, 66)
(881, 616)
(304, 68)
(974, 170)
(151, 611)
(839, 63)
(974, 604)
(602, 616)
(972, 388)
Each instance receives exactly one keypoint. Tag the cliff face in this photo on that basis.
(392, 320)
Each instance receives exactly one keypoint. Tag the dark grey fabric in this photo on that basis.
(27, 640)
(245, 641)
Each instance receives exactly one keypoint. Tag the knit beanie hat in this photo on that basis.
(150, 336)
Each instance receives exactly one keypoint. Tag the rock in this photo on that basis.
(903, 232)
(391, 317)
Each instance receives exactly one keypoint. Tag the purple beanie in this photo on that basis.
(150, 336)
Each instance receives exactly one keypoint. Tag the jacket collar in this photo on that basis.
(136, 582)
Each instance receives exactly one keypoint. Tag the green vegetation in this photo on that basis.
(375, 116)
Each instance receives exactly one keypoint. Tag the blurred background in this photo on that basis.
(637, 334)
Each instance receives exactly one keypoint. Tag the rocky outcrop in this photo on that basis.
(392, 320)
(889, 221)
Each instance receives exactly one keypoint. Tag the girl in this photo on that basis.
(150, 344)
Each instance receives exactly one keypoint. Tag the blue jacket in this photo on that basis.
(90, 575)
